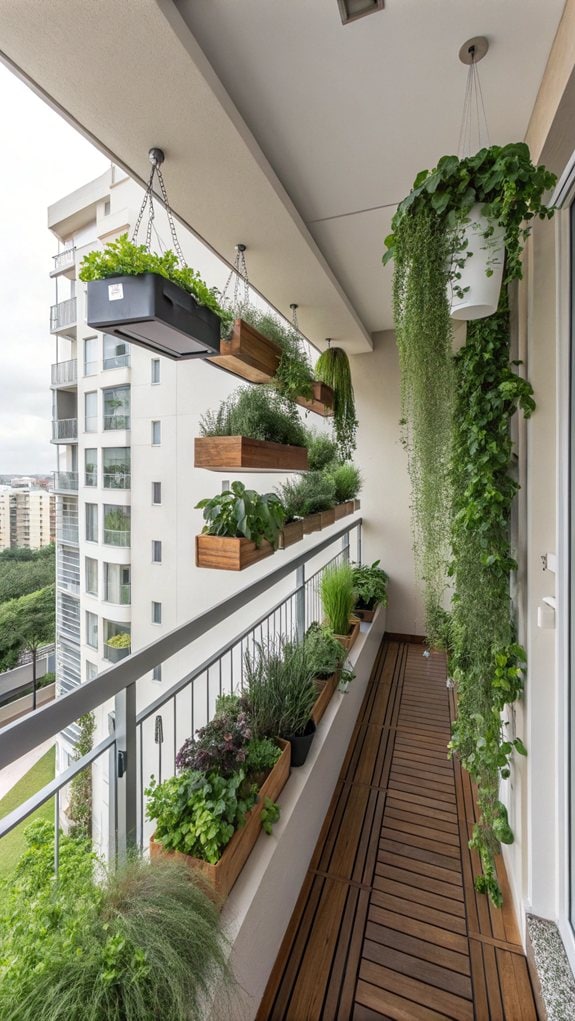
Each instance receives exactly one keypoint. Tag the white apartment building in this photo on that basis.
(26, 517)
(124, 424)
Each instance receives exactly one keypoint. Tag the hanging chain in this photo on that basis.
(156, 157)
(294, 316)
(473, 112)
(239, 272)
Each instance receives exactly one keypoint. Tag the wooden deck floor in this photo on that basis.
(388, 924)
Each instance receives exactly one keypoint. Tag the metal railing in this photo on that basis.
(146, 742)
(64, 260)
(64, 430)
(116, 361)
(118, 595)
(113, 537)
(67, 481)
(116, 422)
(65, 373)
(117, 480)
(63, 314)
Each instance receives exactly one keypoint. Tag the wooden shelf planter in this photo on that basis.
(291, 533)
(224, 554)
(326, 689)
(343, 509)
(327, 517)
(248, 354)
(321, 402)
(312, 523)
(349, 640)
(222, 876)
(239, 453)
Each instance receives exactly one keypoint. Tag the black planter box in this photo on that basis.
(155, 313)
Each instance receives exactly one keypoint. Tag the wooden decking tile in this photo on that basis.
(388, 923)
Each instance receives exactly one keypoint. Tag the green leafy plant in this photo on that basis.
(117, 521)
(270, 815)
(338, 597)
(294, 377)
(120, 641)
(321, 450)
(198, 814)
(261, 756)
(241, 512)
(370, 584)
(122, 257)
(142, 943)
(325, 655)
(346, 480)
(80, 804)
(333, 368)
(279, 688)
(308, 494)
(220, 746)
(259, 412)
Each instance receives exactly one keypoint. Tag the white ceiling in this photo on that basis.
(304, 121)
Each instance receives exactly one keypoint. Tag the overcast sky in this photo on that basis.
(43, 159)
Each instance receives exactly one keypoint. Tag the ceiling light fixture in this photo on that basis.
(351, 10)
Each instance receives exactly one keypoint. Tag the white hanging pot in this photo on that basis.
(480, 296)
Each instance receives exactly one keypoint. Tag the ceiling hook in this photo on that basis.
(156, 156)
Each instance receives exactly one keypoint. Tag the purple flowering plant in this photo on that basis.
(219, 747)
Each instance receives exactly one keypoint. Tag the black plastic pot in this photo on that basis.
(155, 313)
(301, 744)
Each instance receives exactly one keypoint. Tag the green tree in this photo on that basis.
(26, 624)
(19, 577)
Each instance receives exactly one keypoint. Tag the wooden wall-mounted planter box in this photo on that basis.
(349, 640)
(291, 533)
(321, 402)
(365, 615)
(248, 354)
(312, 523)
(326, 690)
(221, 553)
(327, 517)
(222, 876)
(239, 453)
(343, 509)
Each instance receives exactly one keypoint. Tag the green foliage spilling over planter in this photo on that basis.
(325, 655)
(309, 494)
(484, 657)
(346, 480)
(258, 412)
(243, 513)
(321, 450)
(124, 258)
(139, 944)
(370, 584)
(332, 368)
(123, 640)
(294, 377)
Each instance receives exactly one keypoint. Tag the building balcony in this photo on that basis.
(116, 422)
(119, 596)
(117, 480)
(68, 533)
(65, 482)
(63, 316)
(64, 263)
(117, 362)
(65, 430)
(113, 537)
(113, 654)
(65, 374)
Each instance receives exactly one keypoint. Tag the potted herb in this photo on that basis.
(321, 450)
(338, 598)
(118, 647)
(347, 483)
(311, 497)
(370, 585)
(325, 656)
(256, 429)
(333, 369)
(280, 692)
(151, 300)
(242, 527)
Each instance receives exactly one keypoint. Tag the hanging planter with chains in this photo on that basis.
(155, 301)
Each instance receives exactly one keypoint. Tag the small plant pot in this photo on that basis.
(291, 533)
(312, 523)
(221, 877)
(248, 354)
(343, 509)
(327, 517)
(326, 688)
(301, 744)
(479, 292)
(366, 612)
(349, 640)
(239, 453)
(223, 554)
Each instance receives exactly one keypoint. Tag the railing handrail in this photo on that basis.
(21, 736)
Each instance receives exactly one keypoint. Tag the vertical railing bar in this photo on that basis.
(207, 694)
(220, 674)
(141, 770)
(56, 833)
(159, 761)
(175, 735)
(358, 542)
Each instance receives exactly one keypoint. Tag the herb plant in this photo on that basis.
(220, 746)
(270, 815)
(325, 655)
(120, 641)
(333, 368)
(258, 412)
(294, 377)
(346, 479)
(279, 688)
(261, 755)
(370, 584)
(321, 450)
(241, 512)
(124, 258)
(308, 494)
(338, 597)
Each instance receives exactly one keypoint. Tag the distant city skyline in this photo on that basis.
(48, 159)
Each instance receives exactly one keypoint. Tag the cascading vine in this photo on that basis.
(485, 659)
(424, 339)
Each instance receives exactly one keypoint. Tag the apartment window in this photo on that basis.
(116, 352)
(156, 492)
(156, 434)
(157, 673)
(91, 411)
(90, 356)
(156, 551)
(116, 467)
(117, 407)
(91, 522)
(91, 670)
(156, 613)
(155, 370)
(91, 576)
(91, 629)
(116, 525)
(117, 587)
(91, 466)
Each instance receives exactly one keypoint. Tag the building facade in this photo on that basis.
(27, 517)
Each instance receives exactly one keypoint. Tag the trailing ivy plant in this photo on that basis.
(333, 369)
(80, 806)
(484, 657)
